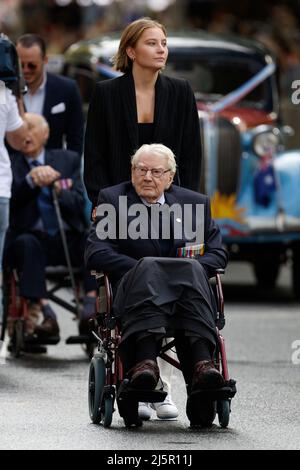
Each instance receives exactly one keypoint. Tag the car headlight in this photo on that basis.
(266, 143)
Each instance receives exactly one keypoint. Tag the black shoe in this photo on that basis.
(47, 329)
(145, 375)
(206, 376)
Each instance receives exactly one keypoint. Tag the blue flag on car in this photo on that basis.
(264, 184)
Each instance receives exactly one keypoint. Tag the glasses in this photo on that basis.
(29, 65)
(155, 172)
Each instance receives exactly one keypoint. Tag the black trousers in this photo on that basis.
(166, 296)
(30, 253)
(166, 293)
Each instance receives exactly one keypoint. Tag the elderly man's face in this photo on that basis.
(37, 135)
(149, 185)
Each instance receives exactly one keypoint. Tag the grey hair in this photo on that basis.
(156, 149)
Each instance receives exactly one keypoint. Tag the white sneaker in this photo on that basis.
(166, 409)
(144, 411)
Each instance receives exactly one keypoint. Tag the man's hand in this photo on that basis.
(94, 214)
(44, 175)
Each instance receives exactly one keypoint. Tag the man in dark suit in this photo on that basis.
(155, 293)
(33, 239)
(56, 98)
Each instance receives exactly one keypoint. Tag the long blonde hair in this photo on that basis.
(129, 38)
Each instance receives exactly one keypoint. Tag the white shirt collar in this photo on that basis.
(160, 201)
(40, 158)
(42, 86)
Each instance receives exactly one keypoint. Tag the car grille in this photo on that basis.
(228, 158)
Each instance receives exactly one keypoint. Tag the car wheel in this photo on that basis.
(266, 270)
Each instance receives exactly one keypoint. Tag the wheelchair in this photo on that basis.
(106, 378)
(15, 311)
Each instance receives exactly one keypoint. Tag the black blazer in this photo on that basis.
(116, 257)
(112, 131)
(67, 123)
(24, 211)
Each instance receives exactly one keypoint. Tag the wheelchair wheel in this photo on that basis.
(3, 324)
(3, 327)
(18, 338)
(97, 377)
(107, 411)
(223, 410)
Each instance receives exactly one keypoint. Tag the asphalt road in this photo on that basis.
(43, 399)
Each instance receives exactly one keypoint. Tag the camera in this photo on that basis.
(10, 70)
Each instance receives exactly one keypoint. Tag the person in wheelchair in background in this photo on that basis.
(33, 240)
(156, 295)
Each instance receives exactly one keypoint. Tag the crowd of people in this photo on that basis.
(142, 141)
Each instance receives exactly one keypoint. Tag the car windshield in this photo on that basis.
(214, 77)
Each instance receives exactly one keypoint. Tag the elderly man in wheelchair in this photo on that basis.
(159, 246)
(34, 238)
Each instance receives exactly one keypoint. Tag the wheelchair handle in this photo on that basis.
(220, 271)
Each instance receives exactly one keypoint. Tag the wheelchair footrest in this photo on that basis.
(224, 393)
(36, 340)
(29, 348)
(80, 339)
(150, 396)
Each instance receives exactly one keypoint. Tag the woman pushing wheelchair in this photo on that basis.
(159, 246)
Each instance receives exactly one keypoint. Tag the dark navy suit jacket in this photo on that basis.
(116, 257)
(63, 111)
(24, 212)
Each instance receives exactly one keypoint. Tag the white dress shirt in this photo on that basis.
(159, 201)
(34, 103)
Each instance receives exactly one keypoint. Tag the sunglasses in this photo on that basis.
(29, 65)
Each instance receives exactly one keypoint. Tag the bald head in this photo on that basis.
(38, 133)
(36, 120)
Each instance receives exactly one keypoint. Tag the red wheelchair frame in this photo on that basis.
(106, 378)
(16, 312)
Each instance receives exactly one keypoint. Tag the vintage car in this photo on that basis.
(253, 182)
